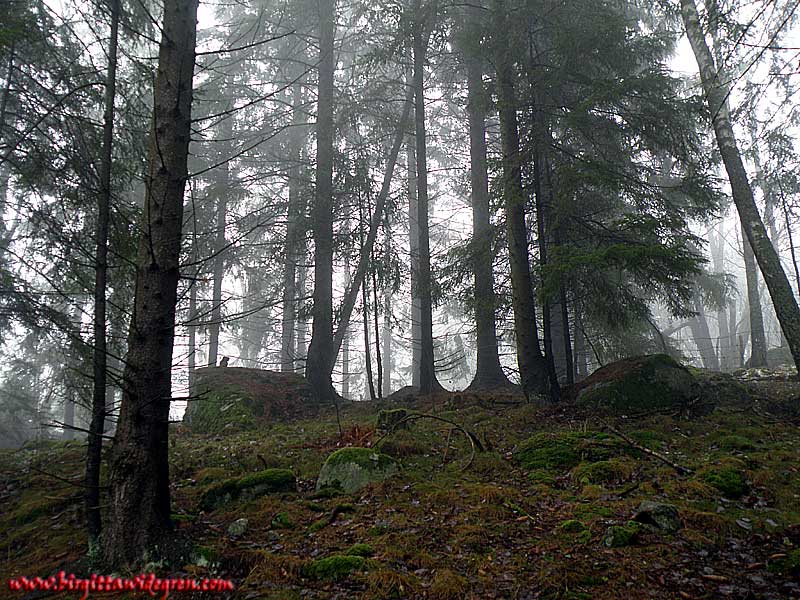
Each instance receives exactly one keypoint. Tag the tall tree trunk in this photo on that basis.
(488, 371)
(301, 343)
(534, 376)
(702, 337)
(413, 230)
(346, 366)
(222, 187)
(427, 371)
(365, 309)
(717, 247)
(378, 360)
(321, 355)
(580, 355)
(191, 325)
(293, 232)
(100, 358)
(758, 342)
(139, 467)
(387, 313)
(717, 92)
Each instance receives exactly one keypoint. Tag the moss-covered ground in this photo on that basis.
(525, 519)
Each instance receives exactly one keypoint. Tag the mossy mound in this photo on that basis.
(563, 450)
(237, 399)
(335, 567)
(351, 469)
(392, 419)
(614, 470)
(639, 384)
(728, 479)
(266, 482)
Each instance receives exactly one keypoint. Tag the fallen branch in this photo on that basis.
(474, 442)
(680, 469)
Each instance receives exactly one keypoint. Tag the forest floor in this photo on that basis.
(446, 527)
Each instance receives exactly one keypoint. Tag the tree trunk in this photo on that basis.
(758, 343)
(321, 354)
(702, 337)
(139, 467)
(100, 358)
(301, 343)
(387, 312)
(346, 366)
(717, 92)
(413, 230)
(293, 232)
(533, 370)
(191, 325)
(218, 269)
(427, 371)
(580, 355)
(717, 246)
(488, 371)
(365, 309)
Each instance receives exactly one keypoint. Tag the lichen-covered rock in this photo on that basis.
(251, 486)
(663, 517)
(350, 469)
(637, 384)
(237, 399)
(238, 527)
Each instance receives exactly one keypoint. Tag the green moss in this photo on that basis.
(564, 450)
(727, 479)
(572, 526)
(542, 476)
(282, 521)
(649, 383)
(364, 550)
(736, 442)
(265, 482)
(335, 567)
(392, 419)
(618, 536)
(447, 585)
(604, 471)
(364, 457)
(219, 410)
(210, 474)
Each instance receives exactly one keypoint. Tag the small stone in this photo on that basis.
(238, 527)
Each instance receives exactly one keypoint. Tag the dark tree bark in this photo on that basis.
(293, 233)
(139, 468)
(534, 376)
(702, 337)
(413, 234)
(758, 341)
(427, 374)
(488, 372)
(100, 357)
(321, 353)
(717, 92)
(218, 270)
(387, 312)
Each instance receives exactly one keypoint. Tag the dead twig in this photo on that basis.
(680, 469)
(474, 442)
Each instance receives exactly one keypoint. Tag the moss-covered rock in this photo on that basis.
(572, 526)
(618, 536)
(638, 384)
(251, 486)
(350, 469)
(335, 567)
(236, 399)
